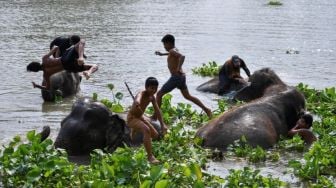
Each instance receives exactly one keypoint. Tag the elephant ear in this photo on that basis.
(117, 134)
(96, 117)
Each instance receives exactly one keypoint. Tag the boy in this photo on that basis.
(63, 44)
(136, 120)
(72, 61)
(302, 128)
(230, 73)
(177, 79)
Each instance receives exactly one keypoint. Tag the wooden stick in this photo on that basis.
(130, 92)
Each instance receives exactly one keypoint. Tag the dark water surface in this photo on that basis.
(123, 35)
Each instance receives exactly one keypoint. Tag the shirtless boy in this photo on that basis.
(72, 61)
(302, 128)
(177, 79)
(230, 73)
(136, 120)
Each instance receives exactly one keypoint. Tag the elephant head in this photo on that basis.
(89, 126)
(63, 83)
(262, 82)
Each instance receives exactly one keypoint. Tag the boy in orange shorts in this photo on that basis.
(136, 120)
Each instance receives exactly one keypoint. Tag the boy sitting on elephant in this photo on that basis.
(137, 122)
(302, 128)
(230, 72)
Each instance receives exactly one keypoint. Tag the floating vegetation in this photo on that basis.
(209, 69)
(31, 163)
(274, 3)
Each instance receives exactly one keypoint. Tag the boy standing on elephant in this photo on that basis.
(137, 122)
(177, 79)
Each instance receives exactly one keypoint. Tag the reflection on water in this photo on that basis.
(121, 37)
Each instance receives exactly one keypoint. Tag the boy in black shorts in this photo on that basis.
(177, 79)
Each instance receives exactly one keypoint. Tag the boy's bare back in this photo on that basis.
(173, 60)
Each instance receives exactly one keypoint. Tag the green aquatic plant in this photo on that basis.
(241, 148)
(35, 164)
(294, 144)
(274, 3)
(209, 69)
(251, 178)
(113, 105)
(319, 164)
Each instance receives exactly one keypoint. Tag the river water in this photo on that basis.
(121, 37)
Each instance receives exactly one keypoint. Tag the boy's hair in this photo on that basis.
(34, 66)
(168, 39)
(74, 39)
(308, 119)
(151, 81)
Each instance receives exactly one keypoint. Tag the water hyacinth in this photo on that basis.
(32, 163)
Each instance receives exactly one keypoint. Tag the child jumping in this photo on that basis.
(177, 79)
(136, 120)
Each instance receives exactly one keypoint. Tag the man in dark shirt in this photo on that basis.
(230, 73)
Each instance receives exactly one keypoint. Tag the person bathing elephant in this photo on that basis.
(229, 78)
(273, 113)
(63, 84)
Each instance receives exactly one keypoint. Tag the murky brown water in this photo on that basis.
(123, 35)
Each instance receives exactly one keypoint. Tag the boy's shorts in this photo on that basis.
(69, 61)
(175, 81)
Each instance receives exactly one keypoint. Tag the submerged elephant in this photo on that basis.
(262, 120)
(63, 83)
(263, 82)
(89, 126)
(212, 86)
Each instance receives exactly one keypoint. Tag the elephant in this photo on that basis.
(262, 82)
(90, 125)
(63, 83)
(270, 112)
(212, 86)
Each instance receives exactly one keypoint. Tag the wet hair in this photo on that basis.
(74, 39)
(235, 59)
(168, 39)
(308, 119)
(34, 66)
(151, 81)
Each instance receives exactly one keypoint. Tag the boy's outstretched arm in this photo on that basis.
(160, 54)
(39, 86)
(157, 111)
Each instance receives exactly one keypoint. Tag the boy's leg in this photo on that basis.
(140, 126)
(80, 50)
(153, 132)
(166, 88)
(186, 95)
(89, 69)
